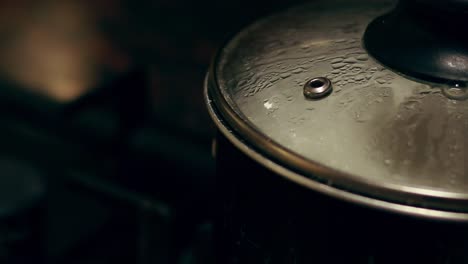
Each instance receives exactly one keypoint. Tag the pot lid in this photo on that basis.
(374, 132)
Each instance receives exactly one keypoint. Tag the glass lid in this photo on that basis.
(373, 132)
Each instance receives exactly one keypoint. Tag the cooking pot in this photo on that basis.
(342, 135)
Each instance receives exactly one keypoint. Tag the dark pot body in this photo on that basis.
(264, 218)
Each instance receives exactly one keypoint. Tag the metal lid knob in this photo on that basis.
(422, 39)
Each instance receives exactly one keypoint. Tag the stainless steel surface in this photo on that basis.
(317, 88)
(457, 92)
(289, 174)
(379, 135)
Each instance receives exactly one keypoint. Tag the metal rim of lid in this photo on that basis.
(324, 188)
(423, 202)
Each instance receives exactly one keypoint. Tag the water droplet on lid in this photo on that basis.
(351, 60)
(337, 60)
(338, 65)
(359, 77)
(362, 57)
(298, 70)
(388, 162)
(336, 71)
(381, 81)
(285, 75)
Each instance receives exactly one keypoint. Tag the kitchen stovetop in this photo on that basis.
(102, 102)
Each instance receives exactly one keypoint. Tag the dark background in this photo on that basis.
(103, 102)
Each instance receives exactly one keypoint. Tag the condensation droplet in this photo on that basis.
(298, 70)
(337, 60)
(455, 93)
(338, 65)
(411, 104)
(381, 81)
(285, 75)
(351, 60)
(359, 77)
(362, 57)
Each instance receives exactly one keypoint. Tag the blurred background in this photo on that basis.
(105, 143)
